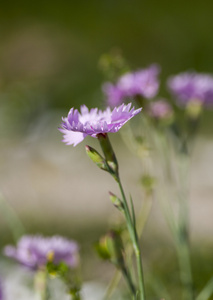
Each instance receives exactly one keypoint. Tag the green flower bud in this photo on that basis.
(102, 249)
(115, 247)
(116, 202)
(97, 158)
(110, 247)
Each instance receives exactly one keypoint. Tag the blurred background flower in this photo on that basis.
(143, 83)
(160, 109)
(35, 251)
(187, 87)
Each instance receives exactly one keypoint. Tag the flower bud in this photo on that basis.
(110, 247)
(116, 202)
(96, 158)
(101, 248)
(115, 247)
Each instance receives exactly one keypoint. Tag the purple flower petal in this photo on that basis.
(78, 125)
(143, 83)
(192, 86)
(72, 137)
(160, 109)
(33, 251)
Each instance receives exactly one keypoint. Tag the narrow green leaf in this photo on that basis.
(133, 212)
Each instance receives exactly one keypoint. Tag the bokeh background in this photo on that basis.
(49, 54)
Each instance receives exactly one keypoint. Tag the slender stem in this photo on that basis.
(183, 195)
(41, 284)
(113, 168)
(142, 219)
(129, 281)
(135, 241)
(140, 272)
(183, 238)
(185, 270)
(179, 228)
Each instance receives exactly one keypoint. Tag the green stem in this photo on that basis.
(41, 284)
(142, 219)
(179, 229)
(128, 278)
(185, 270)
(112, 164)
(183, 250)
(140, 271)
(135, 241)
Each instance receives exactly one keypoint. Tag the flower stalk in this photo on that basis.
(135, 241)
(41, 278)
(183, 250)
(130, 218)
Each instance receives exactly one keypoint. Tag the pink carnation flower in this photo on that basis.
(77, 125)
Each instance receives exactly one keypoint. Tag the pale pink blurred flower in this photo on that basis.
(33, 251)
(192, 86)
(160, 109)
(142, 83)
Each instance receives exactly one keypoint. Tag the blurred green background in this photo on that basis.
(49, 53)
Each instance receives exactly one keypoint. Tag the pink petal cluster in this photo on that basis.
(160, 109)
(142, 83)
(32, 251)
(77, 125)
(192, 86)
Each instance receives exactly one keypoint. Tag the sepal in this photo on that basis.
(109, 154)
